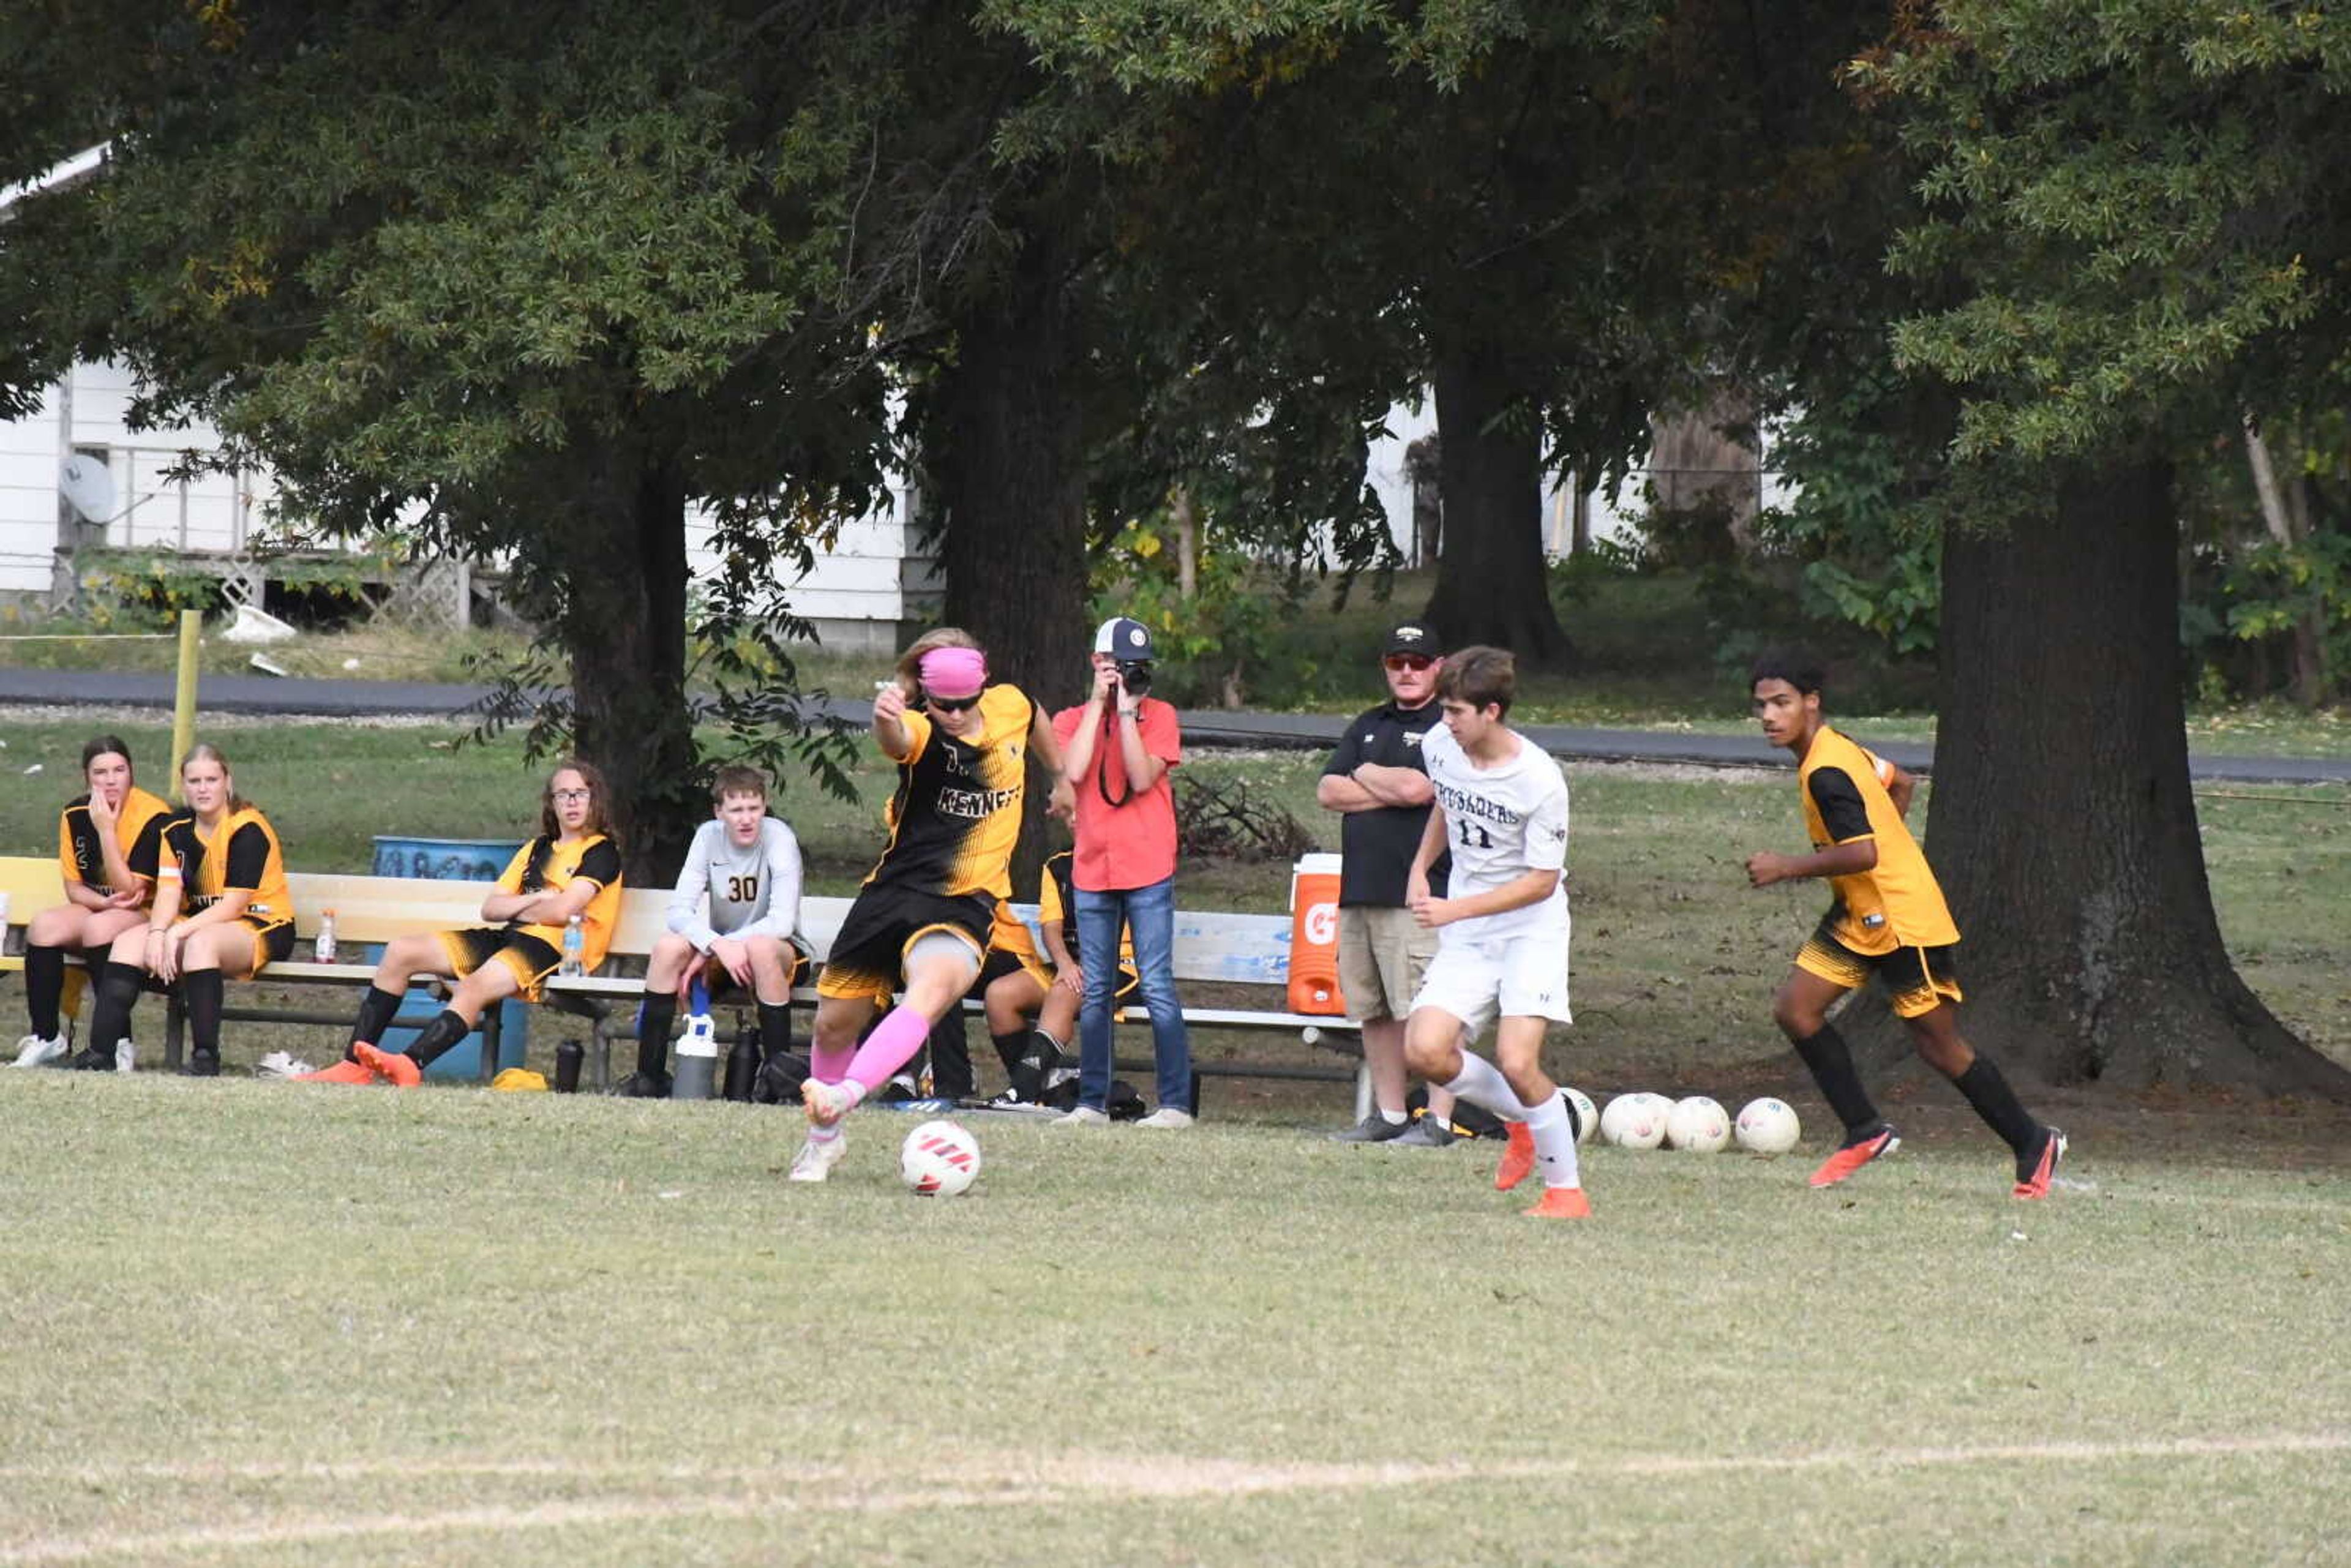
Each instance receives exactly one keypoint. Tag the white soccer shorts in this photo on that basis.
(1517, 977)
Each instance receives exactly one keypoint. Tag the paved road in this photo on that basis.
(1318, 732)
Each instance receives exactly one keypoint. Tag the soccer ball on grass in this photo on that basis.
(1768, 1126)
(1697, 1124)
(1635, 1121)
(939, 1159)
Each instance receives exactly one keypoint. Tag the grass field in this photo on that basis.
(260, 1324)
(256, 1324)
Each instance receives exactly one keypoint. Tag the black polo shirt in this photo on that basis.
(1379, 844)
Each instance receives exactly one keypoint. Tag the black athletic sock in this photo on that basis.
(1009, 1048)
(437, 1038)
(377, 1010)
(775, 1030)
(655, 1013)
(200, 993)
(1039, 1055)
(1832, 1067)
(1986, 1090)
(45, 987)
(110, 1015)
(950, 1057)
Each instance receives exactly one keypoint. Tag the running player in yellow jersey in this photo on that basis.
(1888, 919)
(919, 929)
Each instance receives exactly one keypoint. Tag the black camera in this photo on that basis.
(1134, 675)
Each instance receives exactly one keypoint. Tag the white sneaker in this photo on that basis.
(1084, 1116)
(1166, 1116)
(815, 1161)
(34, 1051)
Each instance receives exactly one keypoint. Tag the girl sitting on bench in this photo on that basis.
(571, 868)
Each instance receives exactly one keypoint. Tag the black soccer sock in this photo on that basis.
(110, 1015)
(655, 1013)
(45, 987)
(437, 1037)
(200, 992)
(950, 1057)
(377, 1010)
(1832, 1067)
(1009, 1047)
(1986, 1090)
(775, 1030)
(1039, 1055)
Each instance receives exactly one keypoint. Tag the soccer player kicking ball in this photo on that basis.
(1502, 812)
(1888, 919)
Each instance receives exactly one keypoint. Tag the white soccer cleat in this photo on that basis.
(34, 1051)
(815, 1159)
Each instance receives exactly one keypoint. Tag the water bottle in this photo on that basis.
(323, 948)
(568, 1057)
(743, 1065)
(697, 1053)
(575, 949)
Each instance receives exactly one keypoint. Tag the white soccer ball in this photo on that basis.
(1587, 1114)
(1697, 1125)
(939, 1159)
(1635, 1120)
(1768, 1126)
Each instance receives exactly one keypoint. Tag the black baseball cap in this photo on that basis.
(1414, 637)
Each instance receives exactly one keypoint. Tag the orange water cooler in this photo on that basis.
(1314, 937)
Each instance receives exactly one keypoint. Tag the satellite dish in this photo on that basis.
(88, 486)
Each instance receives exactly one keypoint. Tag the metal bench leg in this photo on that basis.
(1363, 1093)
(487, 1068)
(175, 1023)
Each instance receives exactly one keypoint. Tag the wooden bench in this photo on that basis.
(1248, 952)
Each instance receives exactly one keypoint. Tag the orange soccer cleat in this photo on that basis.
(340, 1072)
(1518, 1159)
(1855, 1155)
(2034, 1183)
(400, 1072)
(1562, 1203)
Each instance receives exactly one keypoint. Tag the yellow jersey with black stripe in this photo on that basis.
(1896, 903)
(549, 864)
(242, 854)
(139, 826)
(955, 814)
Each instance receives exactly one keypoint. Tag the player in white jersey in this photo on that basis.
(1501, 955)
(737, 907)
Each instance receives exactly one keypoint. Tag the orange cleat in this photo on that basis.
(1855, 1155)
(340, 1072)
(2034, 1183)
(1562, 1203)
(1518, 1159)
(400, 1072)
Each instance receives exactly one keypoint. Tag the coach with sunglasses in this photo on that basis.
(1376, 782)
(1116, 749)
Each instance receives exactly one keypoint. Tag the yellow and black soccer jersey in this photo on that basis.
(1896, 903)
(550, 866)
(243, 854)
(138, 829)
(955, 814)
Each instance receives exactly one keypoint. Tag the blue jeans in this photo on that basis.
(1150, 913)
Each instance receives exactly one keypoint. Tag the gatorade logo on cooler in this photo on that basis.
(1323, 924)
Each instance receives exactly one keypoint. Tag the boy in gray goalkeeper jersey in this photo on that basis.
(736, 911)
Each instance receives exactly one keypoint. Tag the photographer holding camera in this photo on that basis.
(1116, 750)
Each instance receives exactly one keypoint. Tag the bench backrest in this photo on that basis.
(1233, 949)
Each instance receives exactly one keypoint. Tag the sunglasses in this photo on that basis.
(951, 704)
(1415, 662)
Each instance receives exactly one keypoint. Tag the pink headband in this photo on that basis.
(953, 672)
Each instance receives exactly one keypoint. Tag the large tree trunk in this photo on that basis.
(1493, 585)
(624, 628)
(1005, 449)
(2062, 827)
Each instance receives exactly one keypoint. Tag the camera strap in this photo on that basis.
(1101, 760)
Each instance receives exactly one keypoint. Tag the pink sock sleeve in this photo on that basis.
(889, 1047)
(829, 1066)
